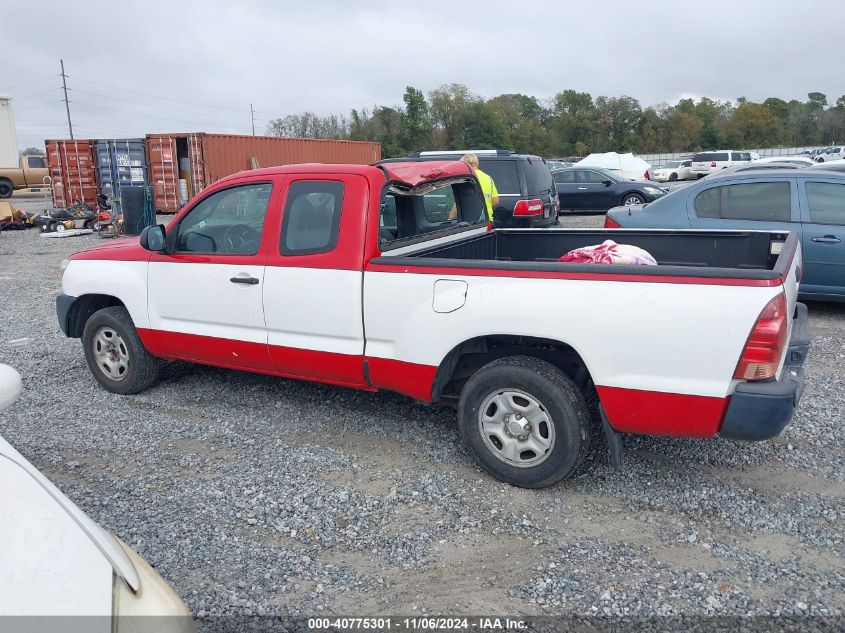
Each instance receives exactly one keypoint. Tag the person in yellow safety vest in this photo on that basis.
(488, 187)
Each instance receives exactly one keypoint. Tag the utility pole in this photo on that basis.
(252, 116)
(67, 107)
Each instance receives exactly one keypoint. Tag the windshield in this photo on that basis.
(672, 164)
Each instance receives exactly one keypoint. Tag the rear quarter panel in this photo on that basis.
(662, 337)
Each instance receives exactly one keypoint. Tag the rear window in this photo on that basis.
(760, 201)
(538, 177)
(565, 176)
(827, 202)
(504, 174)
(311, 217)
(702, 157)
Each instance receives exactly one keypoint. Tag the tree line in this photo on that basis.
(574, 123)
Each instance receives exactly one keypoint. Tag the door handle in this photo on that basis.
(827, 239)
(582, 188)
(251, 281)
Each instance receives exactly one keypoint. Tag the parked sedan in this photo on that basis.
(672, 171)
(809, 202)
(57, 562)
(597, 189)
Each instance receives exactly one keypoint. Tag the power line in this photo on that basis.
(35, 94)
(34, 107)
(28, 83)
(138, 114)
(148, 95)
(135, 102)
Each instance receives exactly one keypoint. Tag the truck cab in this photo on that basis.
(30, 172)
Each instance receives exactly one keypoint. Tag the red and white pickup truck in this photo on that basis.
(388, 278)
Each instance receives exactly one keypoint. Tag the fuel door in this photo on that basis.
(449, 295)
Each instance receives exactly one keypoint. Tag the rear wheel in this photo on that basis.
(524, 421)
(115, 354)
(632, 198)
(6, 189)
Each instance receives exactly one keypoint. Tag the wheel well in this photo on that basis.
(83, 308)
(632, 192)
(470, 356)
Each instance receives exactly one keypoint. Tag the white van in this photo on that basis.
(704, 163)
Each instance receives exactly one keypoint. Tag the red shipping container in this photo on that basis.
(204, 159)
(73, 172)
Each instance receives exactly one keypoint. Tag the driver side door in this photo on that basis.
(205, 296)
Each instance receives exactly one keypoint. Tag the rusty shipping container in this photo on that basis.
(182, 165)
(73, 171)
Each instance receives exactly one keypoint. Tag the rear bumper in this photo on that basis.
(761, 410)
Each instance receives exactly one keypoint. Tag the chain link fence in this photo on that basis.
(661, 159)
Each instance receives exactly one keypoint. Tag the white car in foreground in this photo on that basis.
(56, 561)
(672, 171)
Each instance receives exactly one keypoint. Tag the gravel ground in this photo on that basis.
(257, 495)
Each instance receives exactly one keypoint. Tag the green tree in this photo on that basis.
(573, 121)
(33, 151)
(479, 128)
(617, 118)
(522, 118)
(683, 130)
(415, 126)
(778, 106)
(447, 104)
(754, 125)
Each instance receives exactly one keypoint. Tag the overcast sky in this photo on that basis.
(157, 66)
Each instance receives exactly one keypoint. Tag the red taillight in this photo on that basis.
(610, 223)
(646, 176)
(528, 207)
(713, 164)
(764, 348)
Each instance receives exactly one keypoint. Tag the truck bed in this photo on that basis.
(725, 254)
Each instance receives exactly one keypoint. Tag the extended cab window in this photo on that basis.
(311, 217)
(826, 201)
(404, 216)
(748, 201)
(228, 222)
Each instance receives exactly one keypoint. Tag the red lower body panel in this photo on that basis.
(410, 379)
(658, 413)
(346, 370)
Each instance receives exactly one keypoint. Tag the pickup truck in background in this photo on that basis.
(388, 278)
(30, 173)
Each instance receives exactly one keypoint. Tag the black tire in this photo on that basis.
(633, 196)
(673, 177)
(142, 367)
(559, 398)
(50, 227)
(6, 188)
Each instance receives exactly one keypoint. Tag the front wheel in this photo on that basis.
(673, 177)
(632, 198)
(6, 189)
(524, 421)
(115, 354)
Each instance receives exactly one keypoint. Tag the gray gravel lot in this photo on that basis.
(258, 495)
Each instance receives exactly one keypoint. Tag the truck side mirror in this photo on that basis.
(153, 238)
